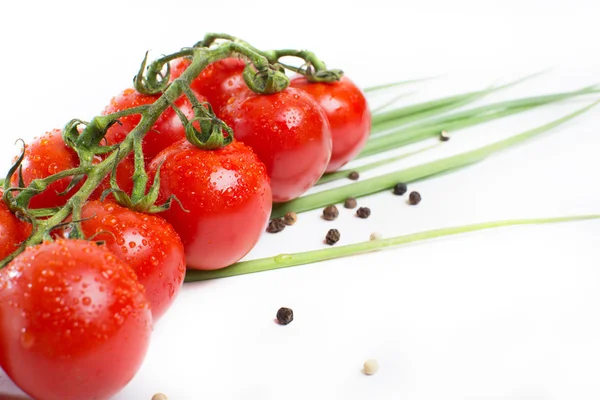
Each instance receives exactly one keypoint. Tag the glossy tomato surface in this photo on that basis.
(290, 134)
(347, 112)
(48, 155)
(74, 321)
(147, 243)
(220, 82)
(13, 231)
(227, 195)
(165, 131)
(44, 156)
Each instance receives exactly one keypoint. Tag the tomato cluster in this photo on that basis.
(82, 310)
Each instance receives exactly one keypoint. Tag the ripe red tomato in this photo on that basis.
(348, 115)
(13, 231)
(220, 82)
(227, 195)
(167, 129)
(74, 321)
(147, 243)
(48, 155)
(290, 134)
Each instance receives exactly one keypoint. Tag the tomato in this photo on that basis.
(165, 131)
(74, 321)
(220, 82)
(48, 155)
(227, 195)
(147, 243)
(348, 115)
(13, 231)
(290, 134)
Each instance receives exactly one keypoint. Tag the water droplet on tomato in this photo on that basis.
(27, 339)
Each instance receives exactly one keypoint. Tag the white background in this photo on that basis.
(504, 314)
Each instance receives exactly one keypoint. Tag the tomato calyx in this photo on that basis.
(213, 133)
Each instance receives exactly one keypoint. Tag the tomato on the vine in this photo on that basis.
(347, 112)
(166, 130)
(220, 82)
(74, 321)
(289, 132)
(48, 155)
(147, 243)
(13, 231)
(45, 156)
(226, 194)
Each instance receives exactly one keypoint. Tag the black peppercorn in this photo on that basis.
(276, 225)
(285, 315)
(332, 237)
(400, 189)
(350, 202)
(363, 212)
(290, 218)
(353, 175)
(444, 137)
(414, 198)
(330, 213)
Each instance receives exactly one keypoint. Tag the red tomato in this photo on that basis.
(227, 194)
(167, 129)
(145, 242)
(348, 115)
(46, 156)
(13, 231)
(220, 82)
(74, 321)
(290, 134)
(49, 155)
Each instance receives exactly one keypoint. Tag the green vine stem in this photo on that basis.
(308, 257)
(313, 69)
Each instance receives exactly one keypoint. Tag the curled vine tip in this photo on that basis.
(268, 81)
(151, 79)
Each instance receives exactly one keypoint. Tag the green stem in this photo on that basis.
(308, 257)
(334, 176)
(387, 181)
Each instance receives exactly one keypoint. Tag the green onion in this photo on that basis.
(334, 176)
(385, 105)
(463, 119)
(405, 115)
(387, 181)
(307, 257)
(395, 84)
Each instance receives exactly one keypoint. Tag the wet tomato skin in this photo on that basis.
(13, 231)
(146, 242)
(290, 134)
(45, 156)
(165, 131)
(48, 155)
(347, 112)
(227, 196)
(220, 82)
(74, 321)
